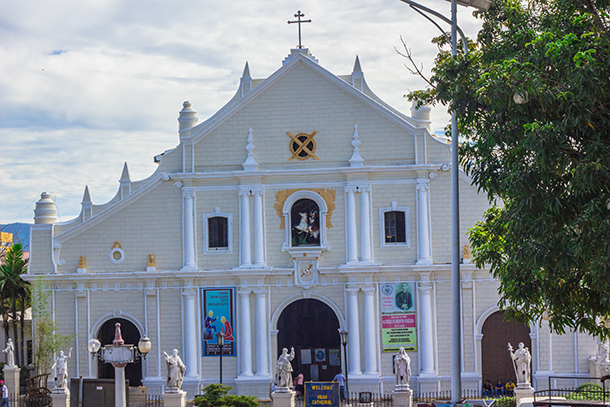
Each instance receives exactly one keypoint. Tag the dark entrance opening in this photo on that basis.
(131, 336)
(312, 328)
(497, 333)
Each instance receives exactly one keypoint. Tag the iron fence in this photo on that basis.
(16, 400)
(445, 395)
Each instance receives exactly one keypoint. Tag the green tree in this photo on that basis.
(15, 297)
(47, 340)
(533, 102)
(216, 395)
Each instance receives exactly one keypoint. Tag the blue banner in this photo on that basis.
(217, 315)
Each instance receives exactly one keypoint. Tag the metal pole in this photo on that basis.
(346, 369)
(221, 365)
(456, 331)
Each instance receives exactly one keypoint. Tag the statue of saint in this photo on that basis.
(521, 360)
(10, 353)
(284, 369)
(402, 367)
(175, 369)
(60, 368)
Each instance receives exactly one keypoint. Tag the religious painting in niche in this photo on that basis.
(305, 221)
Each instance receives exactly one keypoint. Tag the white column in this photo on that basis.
(370, 332)
(423, 222)
(189, 229)
(120, 399)
(353, 326)
(262, 345)
(259, 239)
(190, 333)
(351, 230)
(246, 256)
(426, 333)
(246, 334)
(365, 225)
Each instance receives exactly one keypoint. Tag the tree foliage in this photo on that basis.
(216, 395)
(47, 341)
(533, 102)
(15, 297)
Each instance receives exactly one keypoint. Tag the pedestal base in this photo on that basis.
(283, 398)
(523, 391)
(403, 396)
(11, 379)
(176, 398)
(61, 397)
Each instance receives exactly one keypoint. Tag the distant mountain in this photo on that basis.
(21, 233)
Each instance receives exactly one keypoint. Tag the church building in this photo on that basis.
(304, 206)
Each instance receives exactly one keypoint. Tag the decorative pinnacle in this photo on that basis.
(118, 339)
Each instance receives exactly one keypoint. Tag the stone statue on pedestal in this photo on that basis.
(284, 369)
(10, 353)
(402, 367)
(175, 370)
(521, 361)
(60, 368)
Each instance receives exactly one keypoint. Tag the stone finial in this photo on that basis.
(357, 75)
(250, 164)
(151, 260)
(86, 205)
(46, 211)
(188, 117)
(82, 266)
(151, 263)
(246, 81)
(356, 160)
(125, 182)
(467, 254)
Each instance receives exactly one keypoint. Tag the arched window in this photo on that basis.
(305, 223)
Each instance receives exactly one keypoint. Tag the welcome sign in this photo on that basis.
(322, 394)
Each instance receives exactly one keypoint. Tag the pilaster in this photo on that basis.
(353, 323)
(245, 333)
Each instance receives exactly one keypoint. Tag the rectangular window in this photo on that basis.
(395, 227)
(218, 232)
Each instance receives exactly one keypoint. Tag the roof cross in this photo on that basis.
(298, 15)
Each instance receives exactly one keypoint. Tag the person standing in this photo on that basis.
(300, 387)
(4, 394)
(341, 380)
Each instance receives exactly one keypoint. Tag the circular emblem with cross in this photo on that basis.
(302, 146)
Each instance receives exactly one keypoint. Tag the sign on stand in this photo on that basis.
(322, 394)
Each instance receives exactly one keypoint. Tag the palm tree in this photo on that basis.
(15, 294)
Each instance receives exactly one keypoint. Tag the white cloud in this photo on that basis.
(86, 86)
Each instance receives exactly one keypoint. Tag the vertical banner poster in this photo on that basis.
(218, 315)
(398, 326)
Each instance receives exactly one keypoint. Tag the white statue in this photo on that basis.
(175, 369)
(10, 353)
(402, 367)
(60, 368)
(284, 369)
(521, 360)
(603, 351)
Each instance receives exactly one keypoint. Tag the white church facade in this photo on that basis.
(304, 206)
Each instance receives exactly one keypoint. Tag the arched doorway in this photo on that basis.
(312, 328)
(497, 334)
(131, 336)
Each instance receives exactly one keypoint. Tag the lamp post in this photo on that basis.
(344, 340)
(456, 354)
(119, 355)
(220, 337)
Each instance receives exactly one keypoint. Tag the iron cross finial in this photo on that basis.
(298, 15)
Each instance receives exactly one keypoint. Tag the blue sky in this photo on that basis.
(87, 86)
